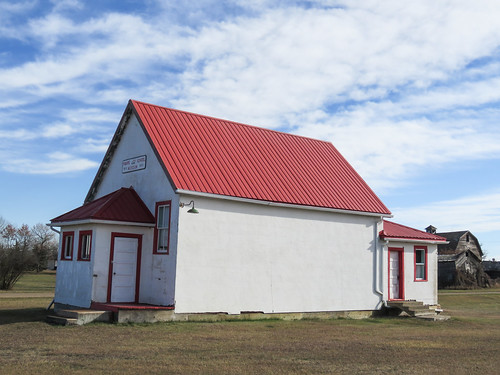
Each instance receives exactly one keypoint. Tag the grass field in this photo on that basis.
(33, 282)
(469, 343)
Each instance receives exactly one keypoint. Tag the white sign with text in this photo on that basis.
(134, 164)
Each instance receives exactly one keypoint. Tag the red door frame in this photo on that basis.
(400, 251)
(138, 265)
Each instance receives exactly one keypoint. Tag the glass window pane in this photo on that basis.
(67, 247)
(162, 228)
(420, 256)
(160, 216)
(162, 239)
(420, 271)
(163, 215)
(85, 246)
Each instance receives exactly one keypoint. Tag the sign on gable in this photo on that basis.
(134, 164)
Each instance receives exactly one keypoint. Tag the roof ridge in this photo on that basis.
(231, 121)
(107, 207)
(455, 231)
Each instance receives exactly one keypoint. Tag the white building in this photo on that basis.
(285, 225)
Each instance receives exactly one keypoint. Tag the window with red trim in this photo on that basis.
(162, 228)
(84, 245)
(420, 263)
(67, 246)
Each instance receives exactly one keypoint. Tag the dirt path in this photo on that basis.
(462, 293)
(25, 295)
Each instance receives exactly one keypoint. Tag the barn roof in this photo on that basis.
(208, 155)
(398, 231)
(454, 238)
(123, 205)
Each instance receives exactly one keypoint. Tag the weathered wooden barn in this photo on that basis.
(460, 260)
(203, 215)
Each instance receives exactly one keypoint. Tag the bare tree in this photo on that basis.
(15, 254)
(44, 245)
(3, 224)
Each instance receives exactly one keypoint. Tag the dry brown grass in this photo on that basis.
(469, 343)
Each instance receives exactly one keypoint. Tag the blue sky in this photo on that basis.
(407, 91)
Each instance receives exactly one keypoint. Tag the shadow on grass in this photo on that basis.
(23, 315)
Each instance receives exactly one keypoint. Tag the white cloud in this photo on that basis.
(8, 10)
(66, 4)
(288, 61)
(479, 214)
(20, 134)
(92, 145)
(53, 163)
(388, 151)
(388, 83)
(79, 121)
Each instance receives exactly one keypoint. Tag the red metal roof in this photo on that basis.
(394, 230)
(210, 155)
(121, 205)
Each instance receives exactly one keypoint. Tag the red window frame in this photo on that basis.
(156, 232)
(426, 266)
(80, 247)
(65, 236)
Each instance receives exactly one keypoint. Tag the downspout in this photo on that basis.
(378, 263)
(52, 228)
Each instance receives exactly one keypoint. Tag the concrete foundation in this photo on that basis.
(152, 316)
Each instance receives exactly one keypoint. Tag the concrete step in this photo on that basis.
(60, 320)
(433, 317)
(408, 304)
(417, 309)
(85, 316)
(80, 316)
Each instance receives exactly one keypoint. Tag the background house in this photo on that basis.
(460, 260)
(492, 268)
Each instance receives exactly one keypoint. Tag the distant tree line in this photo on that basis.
(24, 249)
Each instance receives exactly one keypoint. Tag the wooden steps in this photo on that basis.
(418, 310)
(79, 317)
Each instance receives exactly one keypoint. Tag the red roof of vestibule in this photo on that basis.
(123, 205)
(394, 230)
(214, 156)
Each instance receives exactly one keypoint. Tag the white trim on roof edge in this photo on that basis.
(277, 204)
(97, 221)
(398, 239)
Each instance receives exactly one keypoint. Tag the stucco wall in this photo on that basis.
(74, 277)
(235, 257)
(102, 255)
(151, 183)
(78, 283)
(425, 291)
(157, 271)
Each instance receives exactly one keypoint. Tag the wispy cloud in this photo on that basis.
(396, 86)
(479, 214)
(53, 163)
(393, 86)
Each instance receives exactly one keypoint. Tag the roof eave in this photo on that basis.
(99, 221)
(413, 240)
(279, 204)
(109, 153)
